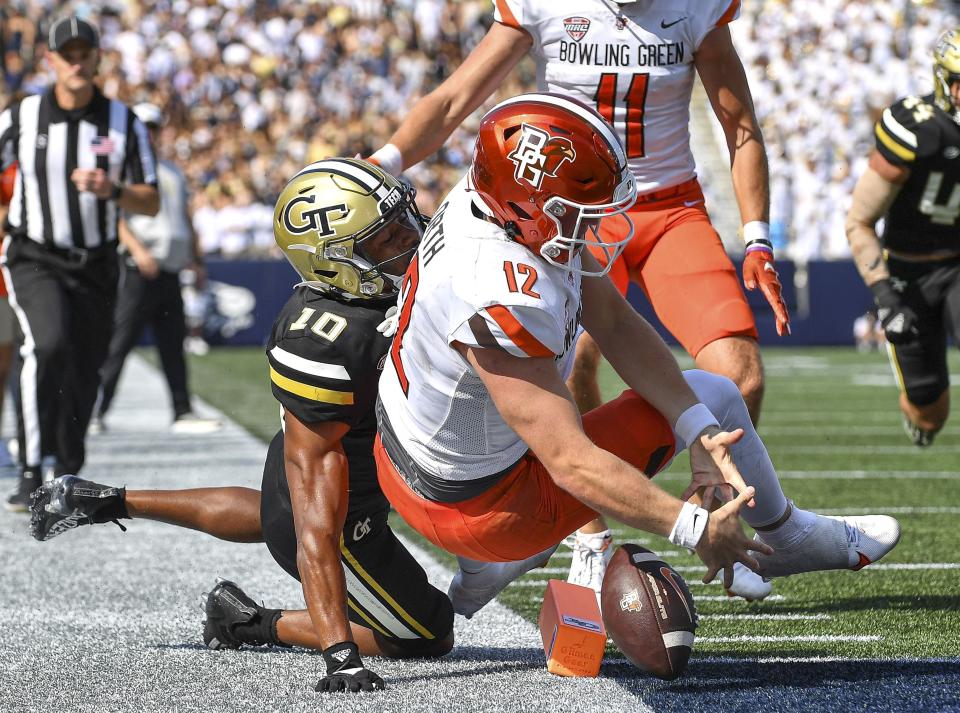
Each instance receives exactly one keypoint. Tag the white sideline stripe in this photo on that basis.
(819, 430)
(874, 567)
(794, 659)
(543, 583)
(844, 474)
(678, 638)
(811, 638)
(724, 598)
(314, 368)
(859, 450)
(896, 510)
(765, 617)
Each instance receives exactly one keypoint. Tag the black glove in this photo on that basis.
(345, 671)
(899, 322)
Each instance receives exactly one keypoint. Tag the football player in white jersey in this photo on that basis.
(480, 446)
(635, 63)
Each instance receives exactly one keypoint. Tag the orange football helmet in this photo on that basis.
(7, 182)
(550, 168)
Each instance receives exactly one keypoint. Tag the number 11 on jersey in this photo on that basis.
(635, 102)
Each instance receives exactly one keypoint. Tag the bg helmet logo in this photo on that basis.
(539, 154)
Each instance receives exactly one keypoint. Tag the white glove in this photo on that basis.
(388, 327)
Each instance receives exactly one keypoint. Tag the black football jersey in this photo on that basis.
(916, 133)
(325, 358)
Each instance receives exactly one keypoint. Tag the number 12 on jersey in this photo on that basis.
(634, 100)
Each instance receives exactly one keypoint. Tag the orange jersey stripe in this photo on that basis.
(727, 17)
(506, 16)
(529, 344)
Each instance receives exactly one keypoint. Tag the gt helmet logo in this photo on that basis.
(318, 219)
(539, 154)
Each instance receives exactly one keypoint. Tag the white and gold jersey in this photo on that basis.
(470, 283)
(633, 62)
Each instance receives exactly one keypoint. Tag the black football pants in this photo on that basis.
(158, 303)
(64, 304)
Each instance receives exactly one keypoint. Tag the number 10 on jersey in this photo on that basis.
(634, 102)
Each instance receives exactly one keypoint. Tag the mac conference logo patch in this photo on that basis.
(576, 27)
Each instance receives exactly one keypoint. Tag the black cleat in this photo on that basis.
(227, 607)
(19, 499)
(69, 501)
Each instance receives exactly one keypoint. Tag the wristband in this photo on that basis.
(342, 657)
(689, 527)
(756, 230)
(693, 421)
(388, 158)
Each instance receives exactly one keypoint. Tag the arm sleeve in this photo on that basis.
(903, 134)
(719, 14)
(317, 388)
(140, 163)
(508, 12)
(522, 331)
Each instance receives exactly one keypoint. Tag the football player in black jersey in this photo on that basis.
(350, 230)
(913, 181)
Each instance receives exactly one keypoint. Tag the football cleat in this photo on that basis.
(748, 584)
(226, 607)
(919, 437)
(67, 502)
(475, 587)
(591, 555)
(19, 499)
(834, 543)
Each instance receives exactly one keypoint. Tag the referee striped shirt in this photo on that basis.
(49, 143)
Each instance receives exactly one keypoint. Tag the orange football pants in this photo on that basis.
(677, 258)
(527, 512)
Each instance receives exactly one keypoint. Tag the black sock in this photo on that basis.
(262, 629)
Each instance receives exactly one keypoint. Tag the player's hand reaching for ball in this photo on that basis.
(723, 542)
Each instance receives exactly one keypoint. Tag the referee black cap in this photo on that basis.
(72, 28)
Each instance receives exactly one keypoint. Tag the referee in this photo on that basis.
(82, 158)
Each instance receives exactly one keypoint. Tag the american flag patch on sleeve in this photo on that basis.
(102, 145)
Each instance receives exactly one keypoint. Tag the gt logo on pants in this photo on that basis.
(360, 529)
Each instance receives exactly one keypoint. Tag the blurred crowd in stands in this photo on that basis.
(253, 90)
(821, 72)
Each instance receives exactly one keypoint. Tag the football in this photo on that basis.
(648, 611)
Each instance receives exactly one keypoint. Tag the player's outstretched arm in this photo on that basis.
(317, 475)
(873, 195)
(435, 116)
(643, 360)
(725, 82)
(533, 400)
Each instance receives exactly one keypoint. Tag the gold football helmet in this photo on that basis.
(946, 68)
(326, 213)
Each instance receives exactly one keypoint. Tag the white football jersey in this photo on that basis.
(470, 283)
(633, 62)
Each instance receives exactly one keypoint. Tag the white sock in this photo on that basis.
(792, 532)
(596, 541)
(722, 397)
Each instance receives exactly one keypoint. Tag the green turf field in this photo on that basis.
(833, 429)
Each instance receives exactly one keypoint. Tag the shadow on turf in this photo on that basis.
(738, 675)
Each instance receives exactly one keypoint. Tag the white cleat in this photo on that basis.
(591, 555)
(748, 584)
(474, 587)
(835, 543)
